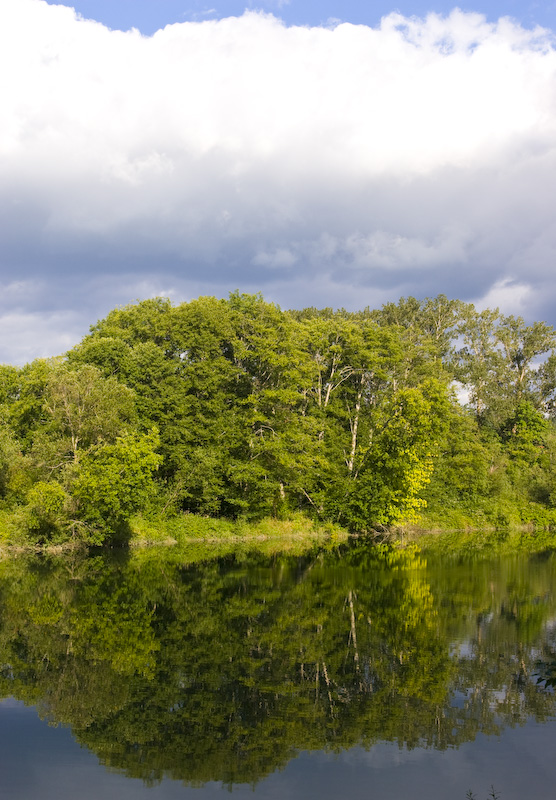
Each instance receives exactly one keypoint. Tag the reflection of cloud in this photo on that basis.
(333, 165)
(519, 765)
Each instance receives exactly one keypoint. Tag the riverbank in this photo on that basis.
(189, 529)
(294, 534)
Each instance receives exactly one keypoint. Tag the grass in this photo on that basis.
(196, 539)
(187, 528)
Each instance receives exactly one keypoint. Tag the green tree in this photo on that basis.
(113, 481)
(394, 464)
(480, 364)
(523, 345)
(82, 408)
(15, 473)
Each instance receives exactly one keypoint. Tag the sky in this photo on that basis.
(323, 153)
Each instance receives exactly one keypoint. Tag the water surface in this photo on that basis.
(341, 672)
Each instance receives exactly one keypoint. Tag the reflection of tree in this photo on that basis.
(224, 670)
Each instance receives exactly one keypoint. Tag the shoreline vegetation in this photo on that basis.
(200, 538)
(268, 537)
(232, 419)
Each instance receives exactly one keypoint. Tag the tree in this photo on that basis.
(82, 408)
(78, 448)
(480, 365)
(113, 481)
(15, 473)
(500, 363)
(394, 463)
(523, 345)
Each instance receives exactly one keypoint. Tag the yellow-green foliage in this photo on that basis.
(186, 528)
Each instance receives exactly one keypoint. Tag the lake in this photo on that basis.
(333, 672)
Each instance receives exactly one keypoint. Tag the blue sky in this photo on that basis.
(150, 15)
(286, 153)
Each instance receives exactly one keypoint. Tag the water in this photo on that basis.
(339, 673)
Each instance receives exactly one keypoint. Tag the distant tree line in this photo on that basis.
(422, 409)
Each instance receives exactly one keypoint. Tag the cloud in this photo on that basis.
(512, 297)
(25, 336)
(331, 165)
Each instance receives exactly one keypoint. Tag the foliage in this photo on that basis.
(14, 469)
(45, 510)
(114, 480)
(349, 418)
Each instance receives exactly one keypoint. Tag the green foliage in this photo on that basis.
(76, 440)
(349, 418)
(15, 479)
(85, 407)
(525, 433)
(385, 487)
(115, 480)
(45, 513)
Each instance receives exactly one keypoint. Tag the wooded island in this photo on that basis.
(423, 411)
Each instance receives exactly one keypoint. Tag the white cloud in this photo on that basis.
(25, 336)
(510, 297)
(416, 157)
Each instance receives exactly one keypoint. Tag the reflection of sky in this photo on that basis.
(463, 649)
(37, 761)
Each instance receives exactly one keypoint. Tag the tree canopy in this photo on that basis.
(236, 408)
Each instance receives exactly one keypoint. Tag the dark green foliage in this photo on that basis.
(349, 417)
